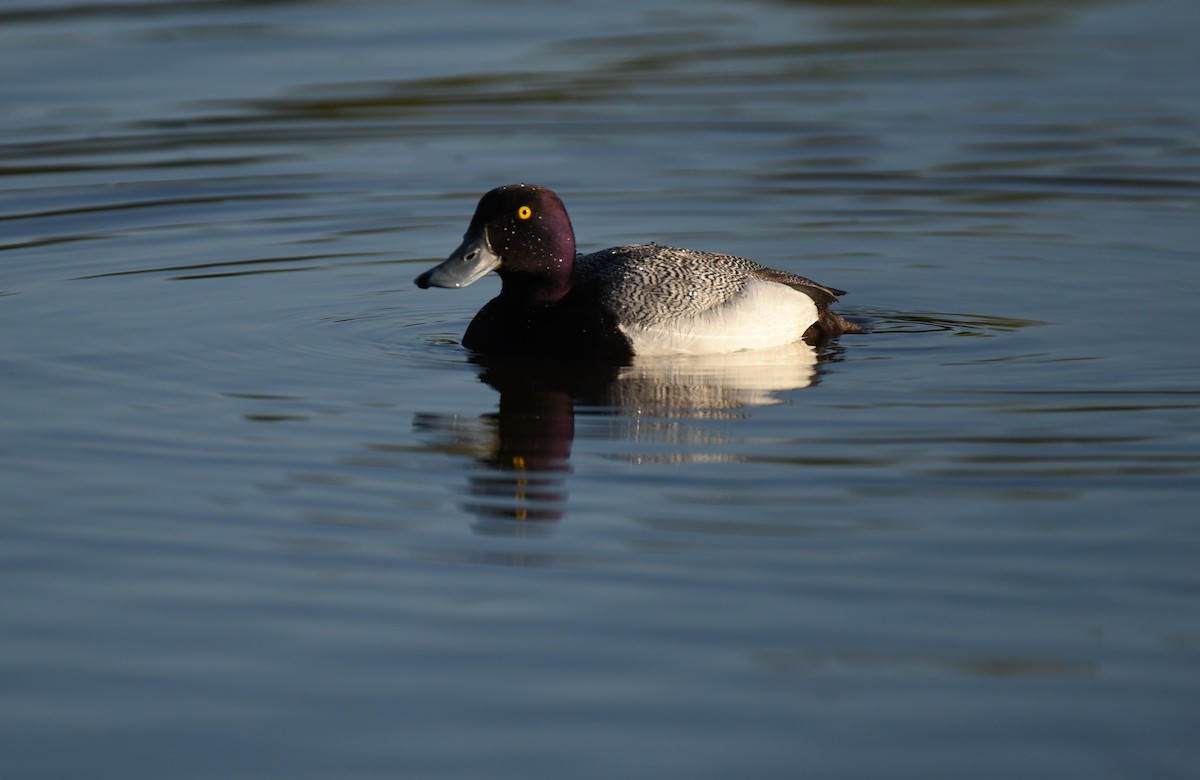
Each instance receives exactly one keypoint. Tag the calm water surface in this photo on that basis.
(262, 517)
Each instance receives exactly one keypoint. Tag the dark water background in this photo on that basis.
(261, 517)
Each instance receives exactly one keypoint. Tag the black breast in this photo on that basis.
(573, 328)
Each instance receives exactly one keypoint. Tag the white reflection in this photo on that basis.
(662, 385)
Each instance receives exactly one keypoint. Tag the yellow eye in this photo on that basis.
(524, 212)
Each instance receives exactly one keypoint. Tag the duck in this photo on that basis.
(621, 302)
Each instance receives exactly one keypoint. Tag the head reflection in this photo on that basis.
(523, 477)
(518, 482)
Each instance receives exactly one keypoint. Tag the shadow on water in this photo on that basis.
(522, 451)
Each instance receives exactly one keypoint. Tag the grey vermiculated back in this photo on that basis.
(648, 284)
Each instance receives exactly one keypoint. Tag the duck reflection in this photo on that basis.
(523, 450)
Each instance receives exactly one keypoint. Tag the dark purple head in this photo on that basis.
(523, 233)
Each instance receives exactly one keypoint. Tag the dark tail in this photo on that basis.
(829, 325)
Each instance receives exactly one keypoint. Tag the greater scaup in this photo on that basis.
(618, 302)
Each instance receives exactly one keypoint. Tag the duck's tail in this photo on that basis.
(829, 325)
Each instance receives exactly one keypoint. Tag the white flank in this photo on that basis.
(763, 315)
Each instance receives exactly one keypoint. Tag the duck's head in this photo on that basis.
(522, 232)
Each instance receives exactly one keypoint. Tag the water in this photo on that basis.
(262, 517)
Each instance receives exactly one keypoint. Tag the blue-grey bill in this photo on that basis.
(466, 265)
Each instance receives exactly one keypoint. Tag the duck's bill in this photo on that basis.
(466, 265)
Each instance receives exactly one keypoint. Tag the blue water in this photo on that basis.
(261, 516)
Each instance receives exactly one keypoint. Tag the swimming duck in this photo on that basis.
(642, 299)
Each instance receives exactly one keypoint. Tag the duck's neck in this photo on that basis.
(547, 282)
